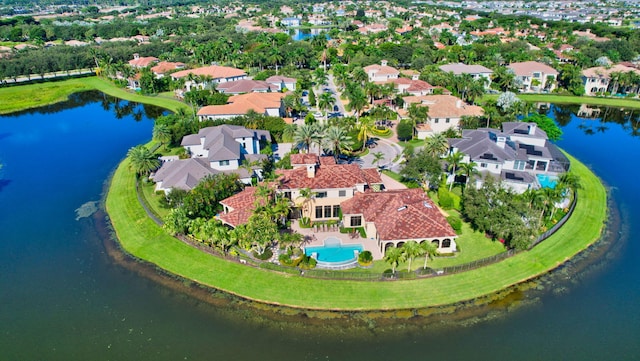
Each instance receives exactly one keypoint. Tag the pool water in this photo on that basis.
(547, 181)
(334, 251)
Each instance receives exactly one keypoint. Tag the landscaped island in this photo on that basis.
(143, 238)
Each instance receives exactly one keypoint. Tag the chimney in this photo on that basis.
(136, 56)
(311, 170)
(501, 141)
(415, 77)
(532, 128)
(458, 103)
(383, 63)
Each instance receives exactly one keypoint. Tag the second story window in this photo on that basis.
(224, 162)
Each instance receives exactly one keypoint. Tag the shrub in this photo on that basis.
(264, 256)
(455, 223)
(305, 222)
(405, 130)
(445, 199)
(307, 263)
(365, 258)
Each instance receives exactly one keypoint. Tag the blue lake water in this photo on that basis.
(64, 298)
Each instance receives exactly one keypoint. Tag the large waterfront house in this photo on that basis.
(382, 72)
(445, 111)
(515, 155)
(475, 71)
(534, 77)
(200, 78)
(321, 190)
(246, 86)
(139, 62)
(221, 149)
(262, 103)
(597, 80)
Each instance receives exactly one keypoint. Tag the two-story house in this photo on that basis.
(597, 80)
(445, 111)
(514, 155)
(382, 72)
(532, 76)
(201, 77)
(262, 103)
(213, 150)
(476, 71)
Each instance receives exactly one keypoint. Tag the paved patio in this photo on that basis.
(317, 239)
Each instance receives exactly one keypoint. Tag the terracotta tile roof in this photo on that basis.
(328, 160)
(214, 71)
(400, 214)
(304, 159)
(245, 199)
(603, 72)
(142, 62)
(329, 177)
(528, 67)
(445, 106)
(241, 104)
(165, 66)
(381, 70)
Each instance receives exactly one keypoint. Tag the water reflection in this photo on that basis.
(593, 119)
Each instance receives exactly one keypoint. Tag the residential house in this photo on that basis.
(290, 22)
(282, 82)
(598, 79)
(394, 217)
(164, 67)
(245, 86)
(445, 111)
(382, 72)
(142, 62)
(476, 71)
(533, 76)
(262, 103)
(213, 150)
(200, 77)
(514, 155)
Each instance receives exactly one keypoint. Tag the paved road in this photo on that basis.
(35, 77)
(391, 152)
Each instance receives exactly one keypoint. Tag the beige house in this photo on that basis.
(201, 77)
(534, 77)
(597, 79)
(445, 111)
(262, 103)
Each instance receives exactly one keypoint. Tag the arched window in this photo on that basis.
(436, 243)
(446, 243)
(387, 246)
(400, 244)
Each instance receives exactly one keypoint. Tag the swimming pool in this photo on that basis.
(334, 251)
(547, 181)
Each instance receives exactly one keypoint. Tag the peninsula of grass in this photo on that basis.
(16, 98)
(144, 239)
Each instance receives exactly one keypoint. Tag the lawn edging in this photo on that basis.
(574, 99)
(142, 238)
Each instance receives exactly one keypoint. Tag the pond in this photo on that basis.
(64, 297)
(304, 34)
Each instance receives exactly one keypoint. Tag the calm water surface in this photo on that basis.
(63, 298)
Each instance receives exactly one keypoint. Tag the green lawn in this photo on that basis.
(568, 99)
(144, 239)
(15, 98)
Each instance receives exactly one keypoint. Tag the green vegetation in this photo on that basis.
(35, 95)
(141, 237)
(568, 99)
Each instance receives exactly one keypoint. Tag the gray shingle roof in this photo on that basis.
(183, 174)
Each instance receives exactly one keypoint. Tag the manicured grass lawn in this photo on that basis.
(153, 200)
(142, 238)
(15, 98)
(568, 99)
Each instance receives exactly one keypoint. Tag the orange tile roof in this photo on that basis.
(303, 159)
(241, 104)
(142, 62)
(242, 206)
(445, 106)
(400, 214)
(329, 177)
(165, 66)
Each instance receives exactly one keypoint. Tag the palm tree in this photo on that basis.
(436, 144)
(326, 102)
(364, 128)
(377, 157)
(454, 159)
(393, 256)
(337, 140)
(569, 180)
(357, 101)
(143, 161)
(162, 133)
(430, 250)
(359, 75)
(468, 170)
(305, 135)
(305, 195)
(411, 249)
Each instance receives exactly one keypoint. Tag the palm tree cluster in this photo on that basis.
(332, 138)
(408, 252)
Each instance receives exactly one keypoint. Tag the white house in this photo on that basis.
(262, 103)
(282, 82)
(381, 72)
(476, 71)
(445, 111)
(201, 77)
(534, 77)
(598, 79)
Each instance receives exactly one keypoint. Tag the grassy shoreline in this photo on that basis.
(22, 97)
(142, 238)
(571, 99)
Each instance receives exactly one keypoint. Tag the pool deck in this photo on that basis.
(317, 238)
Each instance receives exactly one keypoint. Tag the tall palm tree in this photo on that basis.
(305, 196)
(468, 170)
(454, 159)
(162, 133)
(305, 135)
(357, 101)
(365, 128)
(338, 140)
(430, 250)
(411, 249)
(326, 102)
(393, 256)
(143, 161)
(377, 157)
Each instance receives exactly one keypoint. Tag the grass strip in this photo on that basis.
(141, 237)
(571, 99)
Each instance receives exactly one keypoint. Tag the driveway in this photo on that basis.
(391, 155)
